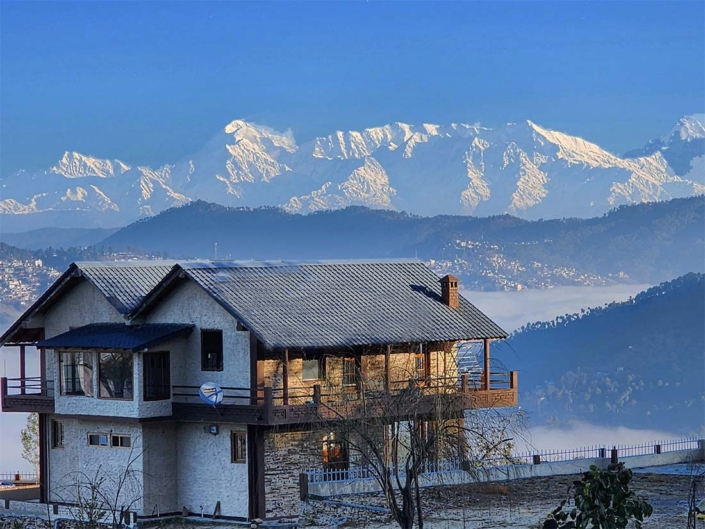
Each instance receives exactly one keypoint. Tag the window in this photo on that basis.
(349, 372)
(211, 350)
(57, 434)
(420, 368)
(115, 376)
(157, 385)
(335, 453)
(312, 370)
(121, 441)
(76, 373)
(238, 451)
(97, 439)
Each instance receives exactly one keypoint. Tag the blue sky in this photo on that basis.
(151, 82)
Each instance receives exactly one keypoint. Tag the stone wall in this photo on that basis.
(286, 455)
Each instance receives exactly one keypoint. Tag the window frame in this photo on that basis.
(145, 374)
(132, 377)
(238, 447)
(57, 434)
(422, 369)
(119, 437)
(207, 365)
(99, 435)
(349, 361)
(75, 377)
(319, 364)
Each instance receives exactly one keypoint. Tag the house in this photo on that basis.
(125, 347)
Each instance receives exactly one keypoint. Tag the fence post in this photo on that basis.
(303, 486)
(268, 405)
(537, 459)
(614, 456)
(603, 453)
(657, 449)
(701, 447)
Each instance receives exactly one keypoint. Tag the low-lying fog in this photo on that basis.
(510, 309)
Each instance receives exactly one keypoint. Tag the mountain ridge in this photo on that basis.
(523, 169)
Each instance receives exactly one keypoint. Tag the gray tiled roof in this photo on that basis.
(125, 283)
(339, 303)
(116, 336)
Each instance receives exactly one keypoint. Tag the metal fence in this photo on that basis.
(19, 477)
(358, 472)
(602, 451)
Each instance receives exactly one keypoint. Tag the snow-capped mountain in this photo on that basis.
(523, 169)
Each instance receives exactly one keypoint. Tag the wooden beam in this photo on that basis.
(44, 439)
(43, 370)
(387, 359)
(256, 468)
(486, 374)
(23, 368)
(285, 377)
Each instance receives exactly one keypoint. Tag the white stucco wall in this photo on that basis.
(82, 305)
(206, 474)
(80, 461)
(160, 464)
(190, 304)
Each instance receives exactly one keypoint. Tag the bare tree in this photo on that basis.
(697, 478)
(416, 425)
(102, 497)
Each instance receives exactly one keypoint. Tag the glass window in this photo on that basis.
(97, 439)
(157, 385)
(311, 370)
(211, 350)
(121, 441)
(238, 442)
(349, 372)
(57, 434)
(76, 373)
(115, 376)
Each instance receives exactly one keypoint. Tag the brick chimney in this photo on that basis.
(449, 291)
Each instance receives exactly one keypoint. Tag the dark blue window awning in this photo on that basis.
(117, 336)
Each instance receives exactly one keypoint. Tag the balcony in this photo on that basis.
(302, 405)
(27, 395)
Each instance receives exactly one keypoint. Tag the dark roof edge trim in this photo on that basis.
(165, 338)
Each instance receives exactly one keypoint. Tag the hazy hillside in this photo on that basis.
(56, 237)
(645, 243)
(639, 363)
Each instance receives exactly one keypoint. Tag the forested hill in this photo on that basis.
(645, 243)
(639, 363)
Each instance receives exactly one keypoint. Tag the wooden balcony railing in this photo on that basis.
(27, 395)
(308, 404)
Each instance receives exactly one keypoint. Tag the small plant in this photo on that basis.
(602, 501)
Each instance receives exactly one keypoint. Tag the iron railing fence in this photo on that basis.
(358, 472)
(19, 477)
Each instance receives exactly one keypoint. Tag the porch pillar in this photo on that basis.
(23, 369)
(43, 371)
(285, 377)
(486, 374)
(387, 359)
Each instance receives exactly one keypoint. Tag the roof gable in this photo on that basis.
(123, 283)
(333, 303)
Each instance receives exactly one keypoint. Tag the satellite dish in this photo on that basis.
(211, 393)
